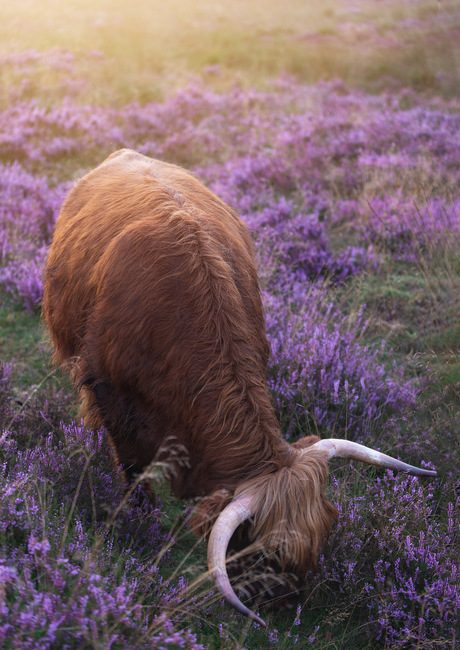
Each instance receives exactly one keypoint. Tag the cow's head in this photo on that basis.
(278, 522)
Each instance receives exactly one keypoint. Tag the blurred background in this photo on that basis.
(142, 50)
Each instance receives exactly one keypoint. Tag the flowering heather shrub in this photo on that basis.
(73, 575)
(393, 563)
(284, 193)
(313, 170)
(38, 136)
(28, 210)
(322, 379)
(28, 73)
(398, 225)
(56, 492)
(189, 128)
(295, 237)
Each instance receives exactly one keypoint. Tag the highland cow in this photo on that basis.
(153, 305)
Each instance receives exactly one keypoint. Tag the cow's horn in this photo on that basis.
(355, 451)
(227, 522)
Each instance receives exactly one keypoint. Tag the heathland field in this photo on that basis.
(334, 131)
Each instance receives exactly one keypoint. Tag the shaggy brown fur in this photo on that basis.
(152, 301)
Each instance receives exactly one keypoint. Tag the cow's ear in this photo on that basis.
(208, 510)
(307, 441)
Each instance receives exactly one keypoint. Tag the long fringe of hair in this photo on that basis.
(293, 516)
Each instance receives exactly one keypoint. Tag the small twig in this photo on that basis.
(29, 397)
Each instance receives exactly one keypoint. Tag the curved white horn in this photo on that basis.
(355, 451)
(227, 522)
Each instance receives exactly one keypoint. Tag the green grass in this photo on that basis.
(22, 342)
(415, 312)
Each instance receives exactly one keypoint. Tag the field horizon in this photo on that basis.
(115, 57)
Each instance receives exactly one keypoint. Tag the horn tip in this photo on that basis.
(257, 619)
(419, 471)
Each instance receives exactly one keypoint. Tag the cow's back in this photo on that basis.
(129, 192)
(151, 296)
